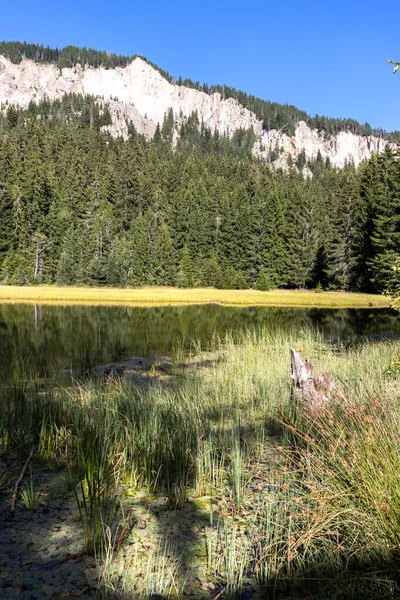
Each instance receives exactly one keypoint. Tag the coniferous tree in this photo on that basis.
(118, 267)
(164, 270)
(185, 275)
(385, 236)
(342, 255)
(303, 239)
(140, 264)
(372, 193)
(275, 259)
(264, 281)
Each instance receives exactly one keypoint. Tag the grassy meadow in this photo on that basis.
(168, 295)
(214, 482)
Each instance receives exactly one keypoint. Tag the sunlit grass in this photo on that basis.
(168, 295)
(326, 512)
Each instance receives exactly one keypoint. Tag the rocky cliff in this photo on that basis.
(139, 94)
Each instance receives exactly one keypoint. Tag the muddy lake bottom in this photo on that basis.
(42, 552)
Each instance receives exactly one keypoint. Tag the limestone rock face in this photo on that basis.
(341, 148)
(139, 94)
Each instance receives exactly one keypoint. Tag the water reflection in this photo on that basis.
(59, 337)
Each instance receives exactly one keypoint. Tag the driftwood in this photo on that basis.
(20, 478)
(312, 390)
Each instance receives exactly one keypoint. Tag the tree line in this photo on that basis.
(70, 56)
(80, 207)
(286, 116)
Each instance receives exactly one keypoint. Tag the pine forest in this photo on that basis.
(80, 207)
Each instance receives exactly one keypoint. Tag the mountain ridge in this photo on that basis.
(140, 94)
(285, 114)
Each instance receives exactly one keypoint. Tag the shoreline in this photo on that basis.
(166, 296)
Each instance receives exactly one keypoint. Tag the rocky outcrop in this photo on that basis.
(139, 94)
(340, 149)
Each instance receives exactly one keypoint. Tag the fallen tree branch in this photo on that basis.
(20, 478)
(70, 557)
(122, 534)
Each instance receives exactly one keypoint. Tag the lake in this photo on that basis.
(48, 339)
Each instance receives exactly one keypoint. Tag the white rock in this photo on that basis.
(138, 93)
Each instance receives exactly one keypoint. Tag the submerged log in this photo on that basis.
(312, 390)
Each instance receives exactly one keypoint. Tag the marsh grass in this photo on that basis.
(355, 450)
(30, 498)
(320, 512)
(166, 295)
(147, 575)
(228, 557)
(96, 493)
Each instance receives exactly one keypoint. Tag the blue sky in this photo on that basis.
(324, 56)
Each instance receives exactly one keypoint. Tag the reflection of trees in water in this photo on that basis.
(343, 323)
(55, 337)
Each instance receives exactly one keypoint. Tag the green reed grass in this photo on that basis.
(330, 511)
(29, 497)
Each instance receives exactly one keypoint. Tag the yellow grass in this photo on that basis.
(167, 295)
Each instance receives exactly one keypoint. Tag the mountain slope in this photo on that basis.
(139, 94)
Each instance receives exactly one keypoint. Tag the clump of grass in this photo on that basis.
(305, 545)
(97, 501)
(150, 574)
(210, 468)
(29, 497)
(237, 473)
(230, 563)
(355, 450)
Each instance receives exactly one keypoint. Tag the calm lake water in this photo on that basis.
(48, 338)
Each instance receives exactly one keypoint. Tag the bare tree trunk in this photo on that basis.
(37, 261)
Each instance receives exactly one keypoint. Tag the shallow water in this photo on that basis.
(46, 339)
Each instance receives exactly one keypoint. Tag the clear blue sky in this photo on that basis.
(324, 56)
